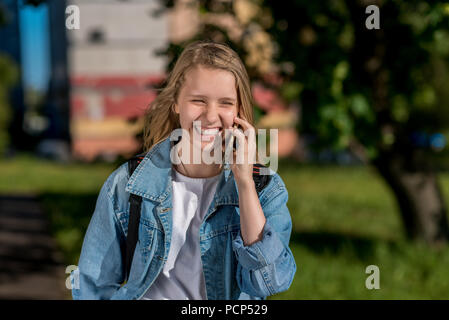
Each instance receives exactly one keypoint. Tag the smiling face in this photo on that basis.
(210, 96)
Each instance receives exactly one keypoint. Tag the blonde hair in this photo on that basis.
(161, 119)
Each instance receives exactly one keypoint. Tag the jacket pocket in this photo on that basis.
(151, 241)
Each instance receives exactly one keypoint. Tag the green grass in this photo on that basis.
(67, 192)
(344, 219)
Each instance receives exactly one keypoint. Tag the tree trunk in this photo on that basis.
(418, 195)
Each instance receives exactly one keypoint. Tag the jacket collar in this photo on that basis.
(153, 177)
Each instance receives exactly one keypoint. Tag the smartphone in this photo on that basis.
(232, 141)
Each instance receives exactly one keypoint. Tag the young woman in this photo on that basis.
(205, 232)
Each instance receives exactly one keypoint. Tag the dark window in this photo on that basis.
(96, 36)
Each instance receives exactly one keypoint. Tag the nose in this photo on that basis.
(212, 115)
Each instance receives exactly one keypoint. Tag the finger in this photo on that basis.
(241, 138)
(251, 144)
(245, 124)
(248, 129)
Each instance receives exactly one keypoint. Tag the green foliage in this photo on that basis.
(291, 90)
(8, 77)
(350, 75)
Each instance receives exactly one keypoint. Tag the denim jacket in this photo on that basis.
(231, 269)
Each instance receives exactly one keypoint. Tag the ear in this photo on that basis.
(175, 108)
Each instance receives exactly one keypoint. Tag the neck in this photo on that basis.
(197, 170)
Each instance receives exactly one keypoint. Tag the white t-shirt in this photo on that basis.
(182, 276)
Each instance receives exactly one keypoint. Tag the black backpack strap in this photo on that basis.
(135, 202)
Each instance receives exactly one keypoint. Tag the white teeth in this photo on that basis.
(210, 131)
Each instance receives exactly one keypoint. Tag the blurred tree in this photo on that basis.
(9, 75)
(373, 91)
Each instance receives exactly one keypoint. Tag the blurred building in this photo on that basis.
(110, 64)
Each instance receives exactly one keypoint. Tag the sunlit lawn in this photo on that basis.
(68, 193)
(344, 219)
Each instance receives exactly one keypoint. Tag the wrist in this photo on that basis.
(245, 184)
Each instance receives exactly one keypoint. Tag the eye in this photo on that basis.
(228, 103)
(198, 101)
